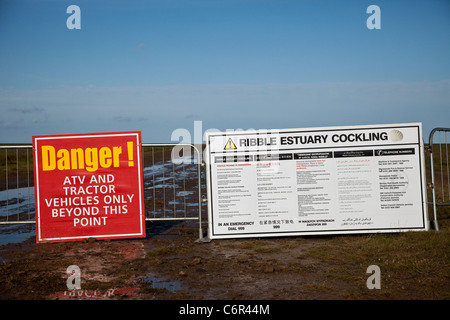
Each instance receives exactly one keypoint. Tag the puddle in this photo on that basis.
(16, 233)
(170, 285)
(17, 201)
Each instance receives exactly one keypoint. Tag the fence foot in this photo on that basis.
(206, 239)
(436, 226)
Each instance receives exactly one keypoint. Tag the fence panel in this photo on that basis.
(16, 184)
(171, 177)
(439, 163)
(172, 182)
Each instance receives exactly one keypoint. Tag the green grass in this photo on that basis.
(411, 263)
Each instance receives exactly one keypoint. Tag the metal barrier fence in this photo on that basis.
(172, 182)
(172, 189)
(439, 164)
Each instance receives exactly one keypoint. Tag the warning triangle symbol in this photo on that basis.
(230, 145)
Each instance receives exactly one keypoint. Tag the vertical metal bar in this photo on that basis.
(7, 183)
(164, 184)
(199, 164)
(440, 166)
(154, 186)
(28, 184)
(143, 165)
(184, 185)
(448, 176)
(174, 192)
(17, 183)
(433, 189)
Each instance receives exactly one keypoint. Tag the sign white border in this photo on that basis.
(212, 147)
(88, 135)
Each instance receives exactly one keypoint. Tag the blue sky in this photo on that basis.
(157, 66)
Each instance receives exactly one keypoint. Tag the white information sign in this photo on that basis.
(331, 180)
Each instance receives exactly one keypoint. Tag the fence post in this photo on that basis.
(433, 180)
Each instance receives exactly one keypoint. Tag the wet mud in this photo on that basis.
(170, 264)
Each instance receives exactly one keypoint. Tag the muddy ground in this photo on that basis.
(170, 265)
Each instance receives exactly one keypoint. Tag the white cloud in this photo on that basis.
(26, 110)
(139, 48)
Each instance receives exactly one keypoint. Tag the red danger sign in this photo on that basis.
(88, 186)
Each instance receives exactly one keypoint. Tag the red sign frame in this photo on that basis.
(88, 186)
